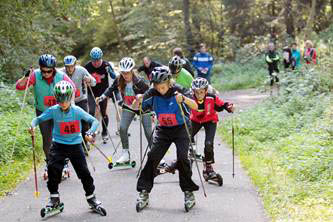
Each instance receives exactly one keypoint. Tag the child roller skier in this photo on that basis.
(165, 98)
(206, 116)
(67, 143)
(129, 85)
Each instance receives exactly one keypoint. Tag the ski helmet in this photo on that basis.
(200, 83)
(69, 60)
(63, 91)
(47, 60)
(126, 64)
(96, 53)
(175, 64)
(160, 74)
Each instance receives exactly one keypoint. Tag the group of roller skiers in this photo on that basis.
(66, 100)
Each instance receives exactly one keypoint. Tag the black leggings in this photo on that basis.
(58, 153)
(102, 105)
(46, 131)
(271, 68)
(162, 140)
(210, 130)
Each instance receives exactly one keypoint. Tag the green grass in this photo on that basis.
(15, 142)
(232, 76)
(286, 146)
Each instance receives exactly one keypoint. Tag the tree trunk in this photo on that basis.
(116, 29)
(196, 21)
(188, 31)
(289, 19)
(221, 32)
(309, 24)
(273, 28)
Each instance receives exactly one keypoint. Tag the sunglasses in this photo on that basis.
(46, 71)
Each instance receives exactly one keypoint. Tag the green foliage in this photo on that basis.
(231, 76)
(15, 141)
(286, 146)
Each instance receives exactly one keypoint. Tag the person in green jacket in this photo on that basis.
(179, 74)
(272, 59)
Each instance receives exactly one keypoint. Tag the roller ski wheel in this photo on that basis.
(131, 164)
(110, 166)
(189, 202)
(52, 208)
(96, 206)
(142, 201)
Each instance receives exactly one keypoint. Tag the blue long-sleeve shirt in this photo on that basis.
(66, 126)
(297, 55)
(203, 61)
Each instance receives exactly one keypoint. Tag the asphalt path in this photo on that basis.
(237, 200)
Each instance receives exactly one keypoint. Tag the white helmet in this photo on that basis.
(126, 64)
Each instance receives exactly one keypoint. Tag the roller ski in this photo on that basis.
(163, 168)
(211, 176)
(189, 200)
(53, 207)
(142, 201)
(96, 205)
(124, 160)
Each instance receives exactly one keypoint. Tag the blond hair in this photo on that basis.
(309, 42)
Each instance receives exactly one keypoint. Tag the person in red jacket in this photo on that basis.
(310, 54)
(206, 116)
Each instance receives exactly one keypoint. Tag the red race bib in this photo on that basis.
(97, 77)
(129, 100)
(49, 101)
(167, 119)
(70, 127)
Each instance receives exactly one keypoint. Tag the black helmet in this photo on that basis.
(160, 74)
(175, 64)
(48, 61)
(200, 83)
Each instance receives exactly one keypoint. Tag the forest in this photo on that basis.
(284, 143)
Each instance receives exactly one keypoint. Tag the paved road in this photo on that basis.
(236, 201)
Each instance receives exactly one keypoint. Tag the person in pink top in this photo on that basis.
(43, 81)
(310, 54)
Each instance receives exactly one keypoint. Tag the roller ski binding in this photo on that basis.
(96, 205)
(163, 168)
(124, 160)
(189, 200)
(53, 207)
(211, 176)
(105, 139)
(142, 201)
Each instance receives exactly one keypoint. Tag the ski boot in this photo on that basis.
(53, 207)
(65, 171)
(105, 138)
(96, 205)
(189, 200)
(194, 154)
(163, 168)
(211, 176)
(125, 160)
(142, 200)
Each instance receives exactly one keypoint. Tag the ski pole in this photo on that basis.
(189, 137)
(103, 122)
(34, 162)
(109, 159)
(233, 146)
(145, 153)
(88, 157)
(140, 112)
(22, 107)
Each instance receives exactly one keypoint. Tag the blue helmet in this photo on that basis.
(96, 53)
(69, 60)
(48, 61)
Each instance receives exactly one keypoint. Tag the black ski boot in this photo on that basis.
(189, 200)
(53, 207)
(210, 175)
(96, 205)
(142, 200)
(163, 168)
